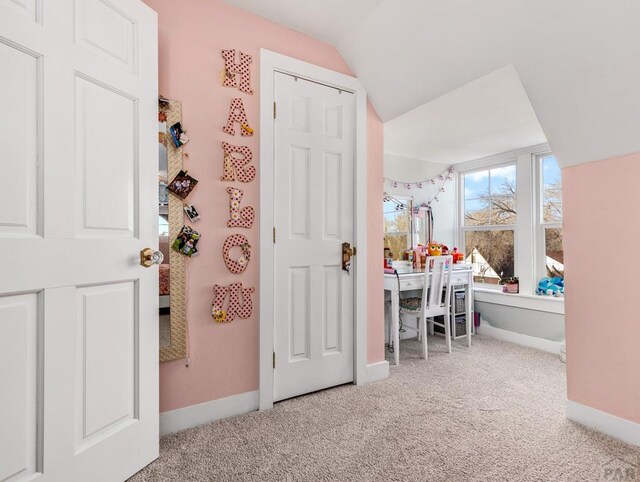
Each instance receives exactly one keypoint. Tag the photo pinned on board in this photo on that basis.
(186, 242)
(178, 135)
(191, 212)
(182, 185)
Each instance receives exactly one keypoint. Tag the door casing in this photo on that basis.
(271, 62)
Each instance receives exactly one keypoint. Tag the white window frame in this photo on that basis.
(412, 224)
(541, 225)
(526, 253)
(489, 227)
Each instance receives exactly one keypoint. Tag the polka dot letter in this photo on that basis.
(242, 69)
(237, 114)
(236, 266)
(239, 218)
(236, 307)
(236, 166)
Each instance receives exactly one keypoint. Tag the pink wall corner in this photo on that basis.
(375, 245)
(224, 358)
(601, 202)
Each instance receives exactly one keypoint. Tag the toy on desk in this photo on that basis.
(434, 249)
(419, 256)
(458, 257)
(551, 286)
(388, 259)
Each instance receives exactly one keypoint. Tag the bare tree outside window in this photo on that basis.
(551, 222)
(397, 227)
(489, 220)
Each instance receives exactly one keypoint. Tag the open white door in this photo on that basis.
(314, 214)
(78, 314)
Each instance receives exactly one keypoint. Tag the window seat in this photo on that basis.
(547, 304)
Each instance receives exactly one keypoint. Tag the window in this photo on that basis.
(163, 225)
(489, 222)
(551, 253)
(510, 217)
(397, 225)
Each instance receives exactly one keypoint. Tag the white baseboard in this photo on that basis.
(377, 371)
(207, 412)
(520, 339)
(612, 425)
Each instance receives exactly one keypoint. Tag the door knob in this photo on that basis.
(347, 253)
(149, 257)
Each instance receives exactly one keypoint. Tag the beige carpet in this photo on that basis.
(491, 412)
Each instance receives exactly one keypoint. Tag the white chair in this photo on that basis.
(437, 279)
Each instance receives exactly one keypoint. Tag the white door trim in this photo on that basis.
(270, 62)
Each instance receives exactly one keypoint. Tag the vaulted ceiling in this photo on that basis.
(327, 20)
(487, 116)
(578, 60)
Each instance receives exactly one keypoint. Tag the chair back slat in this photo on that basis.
(437, 279)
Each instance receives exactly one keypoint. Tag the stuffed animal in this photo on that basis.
(434, 249)
(551, 286)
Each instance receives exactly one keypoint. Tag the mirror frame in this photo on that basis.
(177, 262)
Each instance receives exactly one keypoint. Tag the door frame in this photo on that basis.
(270, 63)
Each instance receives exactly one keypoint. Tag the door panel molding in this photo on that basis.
(270, 63)
(78, 314)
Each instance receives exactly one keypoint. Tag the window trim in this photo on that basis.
(540, 225)
(463, 229)
(410, 233)
(525, 233)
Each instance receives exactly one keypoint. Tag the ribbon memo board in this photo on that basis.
(172, 109)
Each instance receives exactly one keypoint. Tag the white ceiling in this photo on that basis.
(485, 117)
(327, 20)
(577, 59)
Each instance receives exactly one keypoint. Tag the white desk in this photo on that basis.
(462, 275)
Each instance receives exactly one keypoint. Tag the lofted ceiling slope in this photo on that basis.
(578, 60)
(327, 20)
(487, 116)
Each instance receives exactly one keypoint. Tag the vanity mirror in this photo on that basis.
(172, 270)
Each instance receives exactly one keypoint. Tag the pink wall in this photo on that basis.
(224, 358)
(375, 245)
(601, 202)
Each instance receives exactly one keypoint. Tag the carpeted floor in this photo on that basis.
(491, 412)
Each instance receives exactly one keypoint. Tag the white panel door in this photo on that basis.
(314, 215)
(78, 167)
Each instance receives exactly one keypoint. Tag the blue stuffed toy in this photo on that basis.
(551, 286)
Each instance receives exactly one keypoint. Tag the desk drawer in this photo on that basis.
(459, 279)
(412, 284)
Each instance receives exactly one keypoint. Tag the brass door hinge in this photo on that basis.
(274, 110)
(355, 251)
(274, 360)
(274, 235)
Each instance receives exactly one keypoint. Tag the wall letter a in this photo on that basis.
(237, 114)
